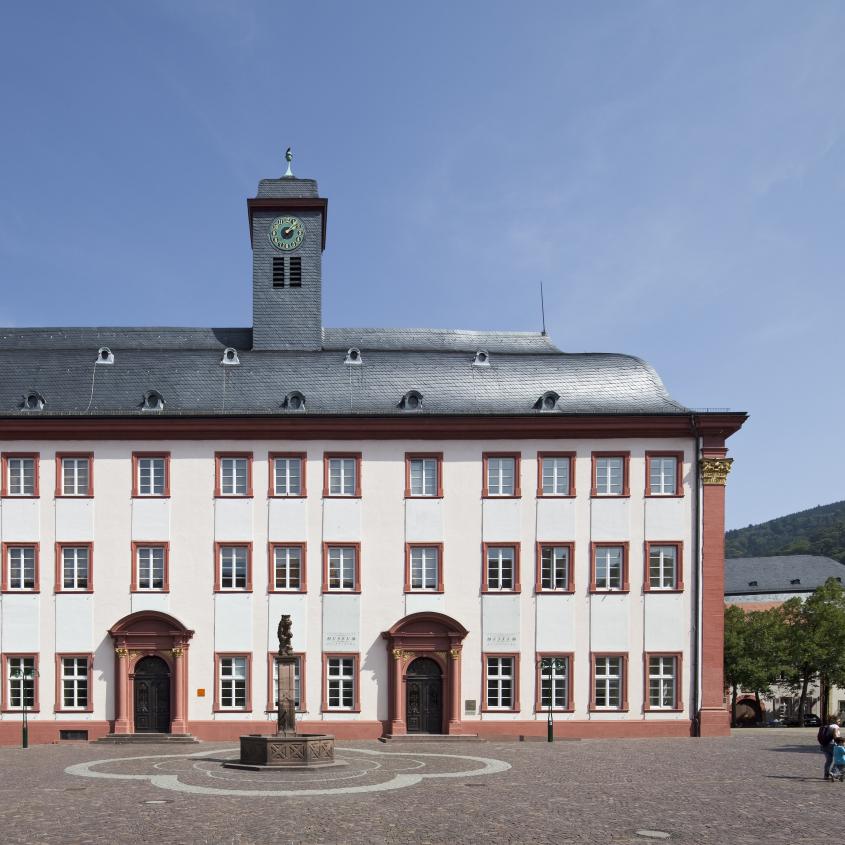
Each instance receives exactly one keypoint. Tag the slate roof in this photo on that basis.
(776, 574)
(183, 364)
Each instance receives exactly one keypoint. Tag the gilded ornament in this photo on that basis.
(454, 653)
(122, 652)
(715, 470)
(177, 652)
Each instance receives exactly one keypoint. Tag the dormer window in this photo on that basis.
(294, 401)
(548, 401)
(411, 401)
(230, 356)
(752, 583)
(153, 401)
(353, 357)
(795, 581)
(104, 356)
(482, 359)
(33, 401)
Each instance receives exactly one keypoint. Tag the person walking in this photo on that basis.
(827, 736)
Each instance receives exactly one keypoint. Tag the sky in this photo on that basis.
(673, 173)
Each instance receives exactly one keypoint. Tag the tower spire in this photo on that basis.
(289, 160)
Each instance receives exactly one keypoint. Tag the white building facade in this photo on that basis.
(467, 529)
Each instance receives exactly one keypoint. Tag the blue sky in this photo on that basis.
(674, 173)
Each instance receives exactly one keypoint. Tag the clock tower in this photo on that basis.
(287, 224)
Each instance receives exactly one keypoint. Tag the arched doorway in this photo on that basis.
(436, 639)
(424, 697)
(152, 695)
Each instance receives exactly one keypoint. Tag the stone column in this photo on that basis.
(179, 724)
(121, 691)
(713, 716)
(455, 724)
(397, 722)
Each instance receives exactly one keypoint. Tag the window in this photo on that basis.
(663, 682)
(340, 682)
(610, 473)
(73, 475)
(287, 567)
(150, 569)
(74, 568)
(21, 682)
(151, 474)
(664, 566)
(278, 271)
(500, 682)
(554, 567)
(342, 475)
(296, 272)
(234, 474)
(501, 475)
(609, 567)
(501, 568)
(234, 565)
(20, 475)
(341, 568)
(273, 683)
(555, 475)
(422, 476)
(423, 568)
(233, 682)
(74, 683)
(663, 473)
(20, 567)
(553, 681)
(609, 682)
(287, 475)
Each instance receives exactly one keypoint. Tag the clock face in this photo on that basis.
(286, 233)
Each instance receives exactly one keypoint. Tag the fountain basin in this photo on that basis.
(285, 751)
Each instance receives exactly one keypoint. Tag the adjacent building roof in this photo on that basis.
(781, 574)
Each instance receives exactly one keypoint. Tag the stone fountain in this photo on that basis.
(286, 748)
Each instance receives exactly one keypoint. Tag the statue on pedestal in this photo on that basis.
(286, 663)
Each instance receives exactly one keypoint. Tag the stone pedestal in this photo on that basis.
(285, 751)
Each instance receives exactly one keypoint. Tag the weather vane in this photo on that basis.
(289, 159)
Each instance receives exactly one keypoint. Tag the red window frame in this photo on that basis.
(218, 655)
(570, 575)
(679, 475)
(271, 475)
(218, 457)
(515, 707)
(4, 586)
(411, 456)
(517, 474)
(571, 493)
(327, 457)
(234, 544)
(569, 656)
(626, 587)
(60, 476)
(679, 664)
(626, 475)
(147, 544)
(356, 682)
(58, 707)
(623, 683)
(136, 456)
(271, 566)
(59, 547)
(36, 700)
(36, 472)
(679, 566)
(342, 545)
(271, 702)
(517, 581)
(408, 548)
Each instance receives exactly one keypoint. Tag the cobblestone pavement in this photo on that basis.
(755, 787)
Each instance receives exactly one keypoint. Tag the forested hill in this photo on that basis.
(818, 531)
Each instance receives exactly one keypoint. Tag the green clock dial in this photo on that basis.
(286, 233)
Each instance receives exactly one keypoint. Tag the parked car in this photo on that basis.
(812, 721)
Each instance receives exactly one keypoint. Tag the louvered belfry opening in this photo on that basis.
(295, 278)
(278, 271)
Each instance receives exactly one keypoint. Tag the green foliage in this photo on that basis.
(755, 648)
(818, 531)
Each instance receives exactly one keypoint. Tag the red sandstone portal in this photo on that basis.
(149, 633)
(432, 635)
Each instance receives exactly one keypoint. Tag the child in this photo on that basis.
(837, 770)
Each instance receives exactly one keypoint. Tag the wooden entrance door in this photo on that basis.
(424, 697)
(152, 696)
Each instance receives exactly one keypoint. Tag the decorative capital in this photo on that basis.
(399, 654)
(715, 470)
(177, 652)
(454, 653)
(122, 652)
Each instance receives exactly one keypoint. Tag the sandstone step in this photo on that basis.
(143, 738)
(431, 738)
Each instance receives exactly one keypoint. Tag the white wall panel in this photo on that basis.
(294, 605)
(556, 519)
(610, 519)
(501, 519)
(425, 603)
(609, 622)
(74, 520)
(21, 623)
(20, 519)
(150, 601)
(74, 622)
(666, 622)
(341, 623)
(150, 519)
(287, 519)
(233, 622)
(555, 623)
(666, 519)
(423, 520)
(500, 622)
(232, 519)
(342, 519)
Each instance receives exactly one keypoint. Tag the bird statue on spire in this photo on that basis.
(289, 159)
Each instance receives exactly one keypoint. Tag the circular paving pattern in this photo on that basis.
(365, 770)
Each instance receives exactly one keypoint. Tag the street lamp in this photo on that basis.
(551, 664)
(24, 673)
